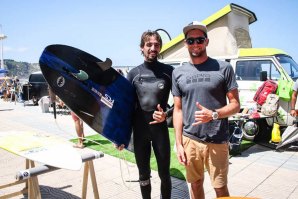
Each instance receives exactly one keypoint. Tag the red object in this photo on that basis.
(255, 115)
(268, 87)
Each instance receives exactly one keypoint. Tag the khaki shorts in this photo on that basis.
(215, 158)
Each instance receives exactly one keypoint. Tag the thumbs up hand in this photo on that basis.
(202, 115)
(159, 115)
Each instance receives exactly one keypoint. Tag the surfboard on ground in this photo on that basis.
(92, 89)
(43, 148)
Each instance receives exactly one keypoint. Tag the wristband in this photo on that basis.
(166, 114)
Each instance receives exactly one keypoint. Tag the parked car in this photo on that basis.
(36, 88)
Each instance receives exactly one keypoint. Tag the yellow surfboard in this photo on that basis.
(40, 147)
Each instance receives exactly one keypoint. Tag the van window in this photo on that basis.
(250, 70)
(290, 66)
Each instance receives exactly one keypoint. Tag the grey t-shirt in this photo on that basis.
(208, 84)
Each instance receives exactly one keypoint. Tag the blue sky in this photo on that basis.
(113, 28)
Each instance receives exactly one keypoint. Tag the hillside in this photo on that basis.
(20, 69)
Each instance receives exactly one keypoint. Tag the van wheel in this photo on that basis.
(250, 129)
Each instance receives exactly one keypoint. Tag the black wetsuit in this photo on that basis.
(152, 81)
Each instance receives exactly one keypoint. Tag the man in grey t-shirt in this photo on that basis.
(201, 89)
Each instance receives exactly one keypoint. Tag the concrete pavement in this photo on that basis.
(258, 172)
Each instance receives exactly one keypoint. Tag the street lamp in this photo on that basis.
(2, 37)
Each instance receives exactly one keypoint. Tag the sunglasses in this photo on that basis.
(198, 40)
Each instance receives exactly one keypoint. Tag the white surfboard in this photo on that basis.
(44, 148)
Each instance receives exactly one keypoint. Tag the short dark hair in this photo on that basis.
(147, 34)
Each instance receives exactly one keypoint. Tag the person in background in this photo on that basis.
(152, 81)
(294, 99)
(201, 89)
(19, 90)
(120, 71)
(14, 89)
(79, 126)
(79, 130)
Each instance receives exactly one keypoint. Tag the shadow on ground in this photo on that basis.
(54, 193)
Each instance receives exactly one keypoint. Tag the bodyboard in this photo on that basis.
(46, 149)
(92, 89)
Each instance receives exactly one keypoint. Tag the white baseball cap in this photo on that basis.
(195, 25)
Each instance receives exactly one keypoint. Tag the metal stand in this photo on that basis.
(89, 167)
(29, 177)
(31, 185)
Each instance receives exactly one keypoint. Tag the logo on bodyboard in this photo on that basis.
(60, 81)
(161, 86)
(25, 174)
(106, 99)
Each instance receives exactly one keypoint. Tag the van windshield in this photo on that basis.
(38, 77)
(289, 65)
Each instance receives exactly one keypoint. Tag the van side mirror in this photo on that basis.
(263, 75)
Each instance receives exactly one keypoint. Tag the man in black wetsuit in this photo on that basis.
(152, 81)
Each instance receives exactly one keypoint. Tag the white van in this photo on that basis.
(252, 67)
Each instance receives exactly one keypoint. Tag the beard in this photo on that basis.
(151, 58)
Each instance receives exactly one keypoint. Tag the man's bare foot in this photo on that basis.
(80, 146)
